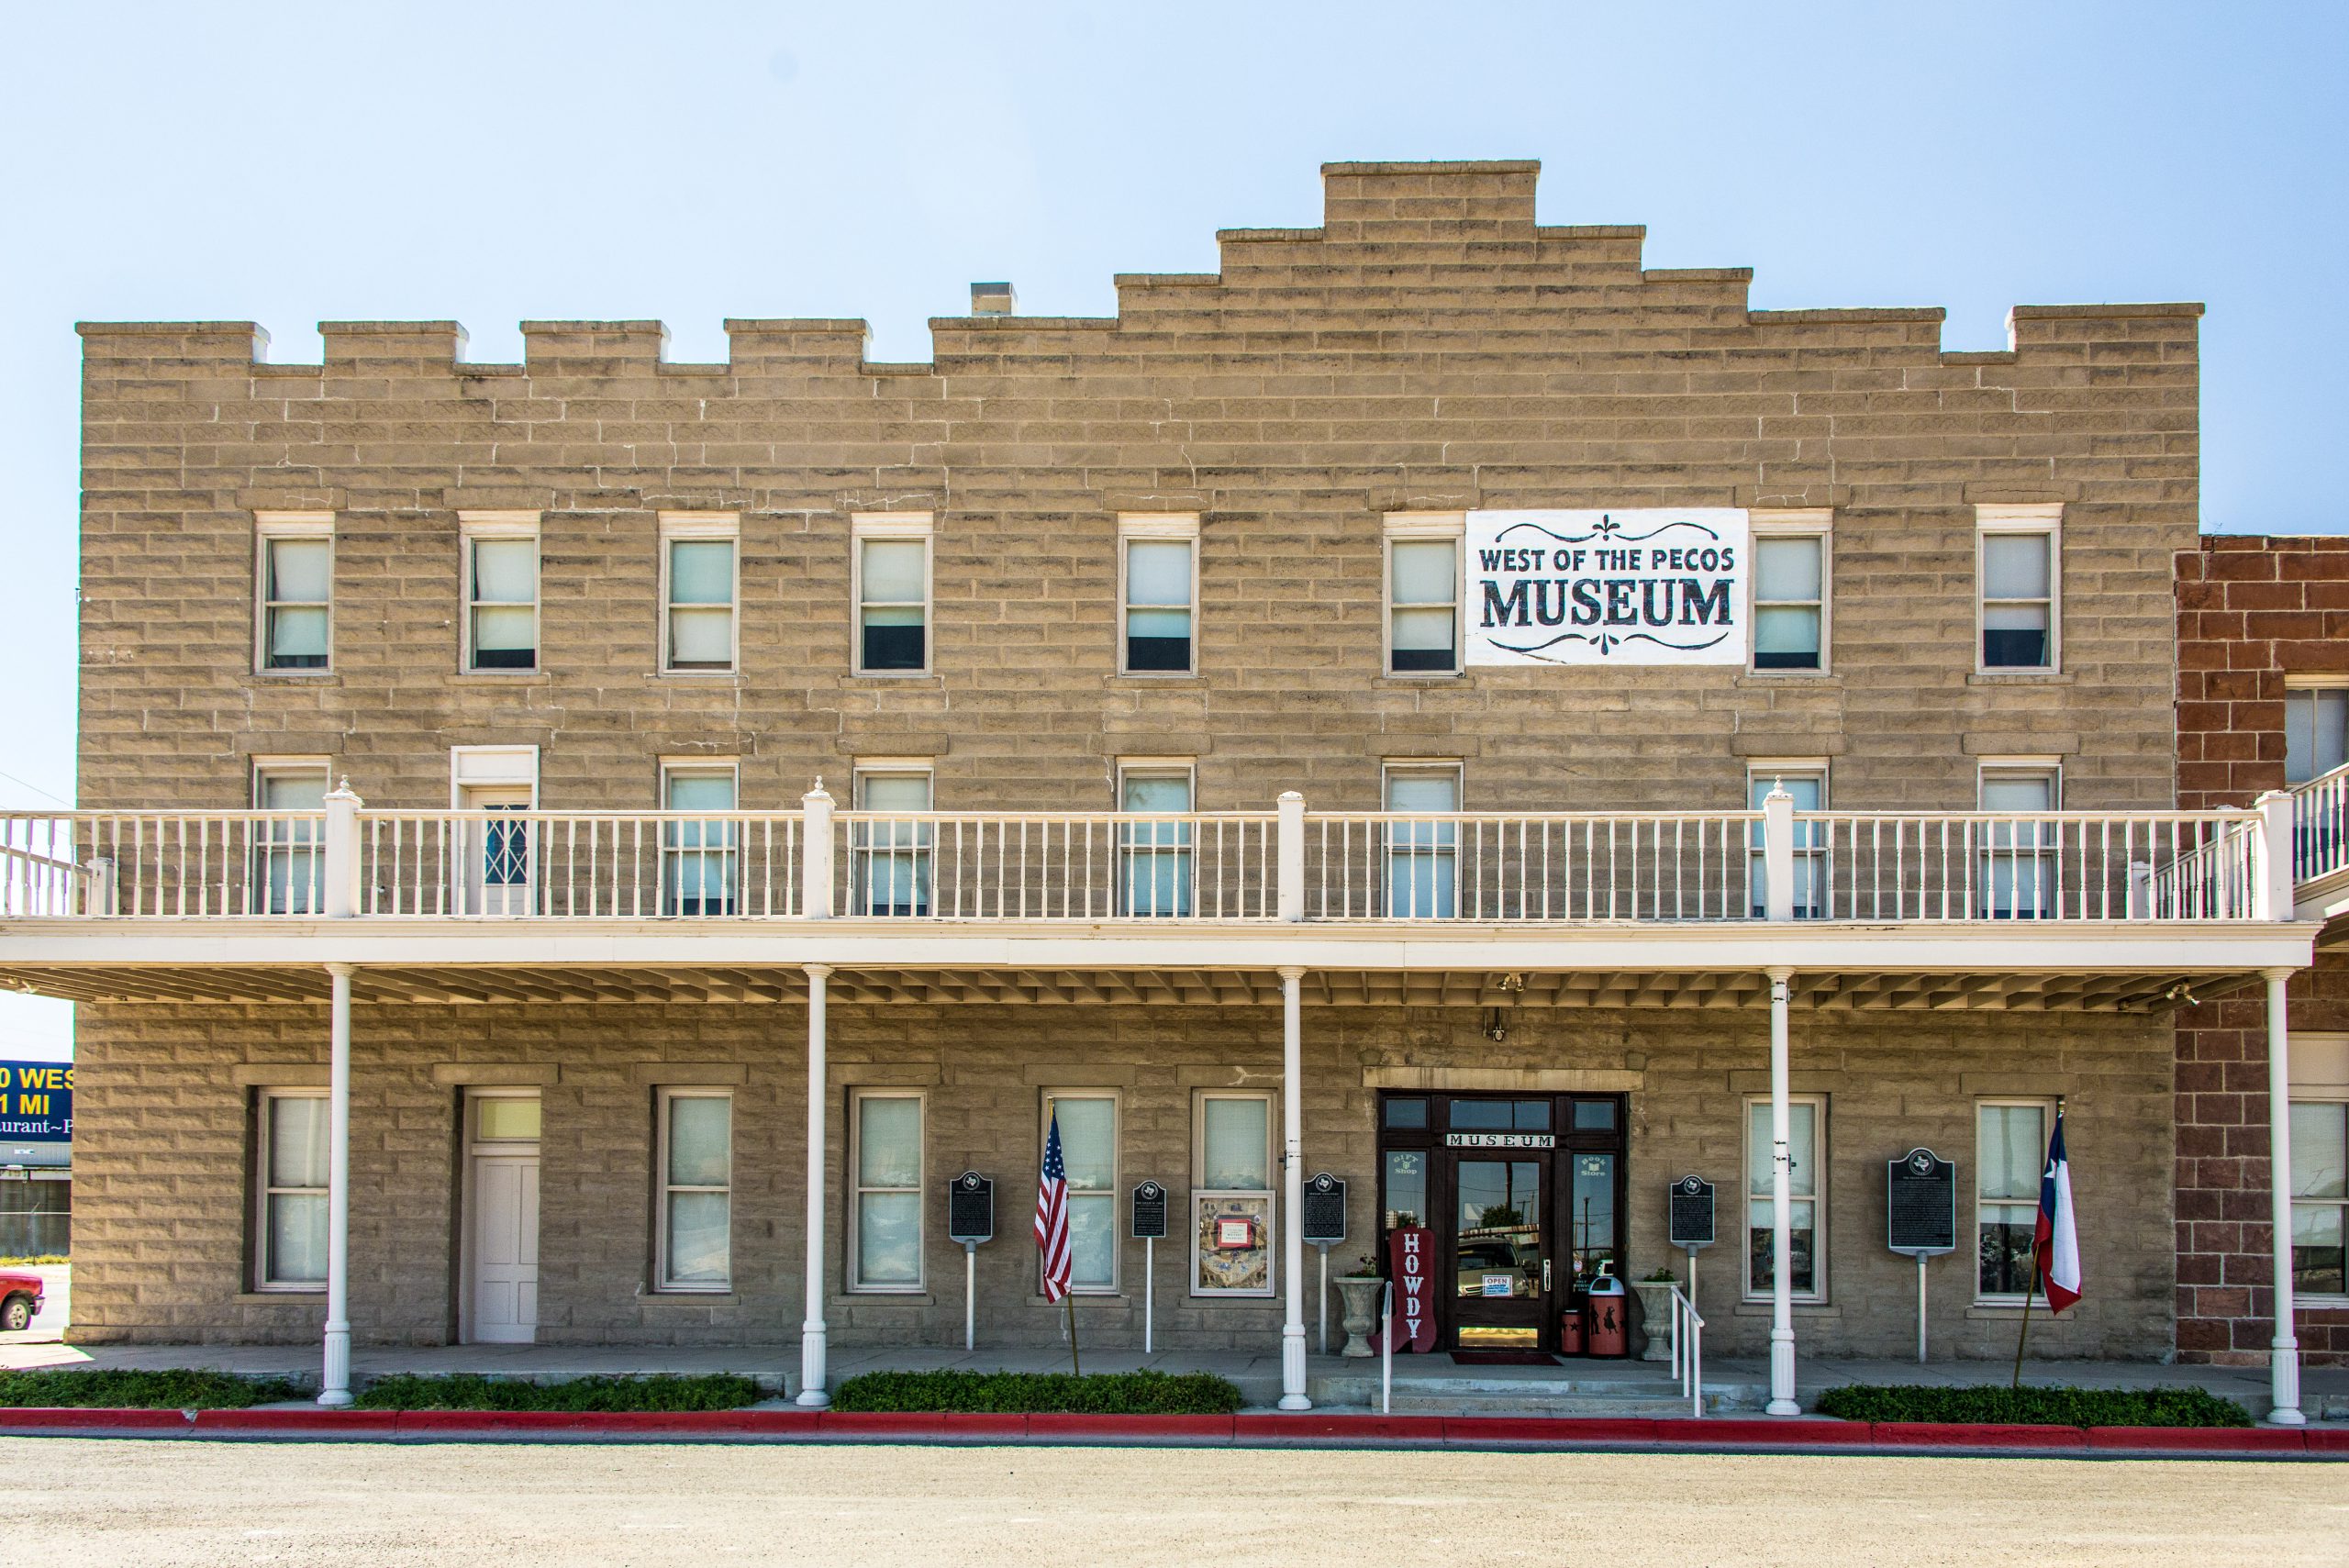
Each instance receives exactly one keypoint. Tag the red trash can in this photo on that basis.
(1609, 1332)
(1570, 1330)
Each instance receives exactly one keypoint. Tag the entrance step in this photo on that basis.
(1531, 1392)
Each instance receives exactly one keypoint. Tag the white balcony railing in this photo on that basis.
(2320, 826)
(1285, 865)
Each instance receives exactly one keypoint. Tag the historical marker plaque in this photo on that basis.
(970, 1209)
(1324, 1219)
(1692, 1212)
(1150, 1212)
(1920, 1204)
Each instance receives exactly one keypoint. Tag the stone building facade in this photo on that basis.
(1428, 351)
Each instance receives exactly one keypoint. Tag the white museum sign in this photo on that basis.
(1650, 586)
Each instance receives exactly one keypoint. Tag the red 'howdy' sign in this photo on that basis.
(1410, 1256)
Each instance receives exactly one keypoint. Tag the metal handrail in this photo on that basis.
(1387, 1349)
(1689, 1349)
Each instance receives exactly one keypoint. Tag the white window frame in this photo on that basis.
(864, 843)
(1445, 843)
(671, 768)
(2293, 686)
(264, 1190)
(1758, 1204)
(1112, 1197)
(2046, 520)
(1186, 851)
(857, 1100)
(268, 525)
(2050, 768)
(2318, 1074)
(1775, 769)
(702, 526)
(2045, 1106)
(1809, 522)
(473, 528)
(264, 845)
(1420, 527)
(663, 1097)
(867, 527)
(1201, 1195)
(1167, 528)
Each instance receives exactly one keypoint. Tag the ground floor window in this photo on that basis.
(2009, 1147)
(290, 1219)
(694, 1220)
(1806, 1189)
(1231, 1194)
(1090, 1157)
(36, 1213)
(885, 1166)
(2319, 1199)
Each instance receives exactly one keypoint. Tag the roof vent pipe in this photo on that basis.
(993, 299)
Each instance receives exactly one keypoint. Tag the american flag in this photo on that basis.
(1051, 1215)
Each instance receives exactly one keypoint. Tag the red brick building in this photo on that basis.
(2263, 683)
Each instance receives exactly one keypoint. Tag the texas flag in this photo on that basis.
(2056, 1240)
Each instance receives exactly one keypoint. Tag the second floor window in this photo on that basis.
(1422, 852)
(1154, 856)
(698, 586)
(1423, 605)
(1158, 586)
(289, 863)
(2018, 862)
(296, 597)
(501, 601)
(697, 851)
(1808, 785)
(2316, 731)
(2015, 569)
(1789, 601)
(892, 596)
(890, 854)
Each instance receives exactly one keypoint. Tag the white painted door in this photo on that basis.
(495, 854)
(506, 1248)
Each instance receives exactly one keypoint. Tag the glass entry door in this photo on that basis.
(1501, 1261)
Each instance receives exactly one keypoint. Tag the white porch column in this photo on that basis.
(1782, 1291)
(812, 1390)
(1293, 1190)
(334, 1381)
(2284, 1350)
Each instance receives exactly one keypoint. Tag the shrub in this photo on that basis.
(33, 1259)
(1010, 1392)
(471, 1390)
(2036, 1407)
(123, 1388)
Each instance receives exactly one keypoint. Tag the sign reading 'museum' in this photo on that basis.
(1652, 587)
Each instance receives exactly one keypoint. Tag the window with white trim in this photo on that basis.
(2316, 728)
(1422, 852)
(1423, 595)
(290, 1190)
(890, 855)
(700, 850)
(884, 1162)
(1790, 591)
(2009, 1152)
(1154, 855)
(2019, 567)
(1804, 779)
(891, 589)
(1231, 1193)
(1158, 590)
(2319, 1079)
(289, 859)
(1806, 1189)
(1089, 1151)
(500, 558)
(294, 574)
(699, 586)
(694, 1223)
(2017, 864)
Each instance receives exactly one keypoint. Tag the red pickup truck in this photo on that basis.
(19, 1299)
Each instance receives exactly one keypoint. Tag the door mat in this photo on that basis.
(1504, 1357)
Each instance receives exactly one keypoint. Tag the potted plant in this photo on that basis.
(1359, 1287)
(1655, 1312)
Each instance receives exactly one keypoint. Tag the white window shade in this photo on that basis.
(2015, 566)
(1429, 789)
(701, 790)
(505, 570)
(1786, 568)
(1236, 1145)
(299, 570)
(1155, 792)
(1158, 572)
(893, 572)
(888, 1197)
(2316, 731)
(2018, 792)
(701, 571)
(700, 1141)
(894, 792)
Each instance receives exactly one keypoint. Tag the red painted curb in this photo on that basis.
(1956, 1434)
(932, 1422)
(746, 1422)
(2200, 1439)
(93, 1417)
(319, 1421)
(1421, 1428)
(1773, 1430)
(496, 1420)
(2326, 1441)
(1549, 1429)
(1071, 1424)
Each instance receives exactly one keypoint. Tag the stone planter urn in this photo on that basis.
(1655, 1307)
(1360, 1293)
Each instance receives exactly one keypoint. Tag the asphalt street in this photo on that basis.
(129, 1503)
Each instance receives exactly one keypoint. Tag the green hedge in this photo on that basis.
(2036, 1407)
(1007, 1393)
(471, 1391)
(121, 1388)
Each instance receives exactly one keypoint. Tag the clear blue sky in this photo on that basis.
(303, 162)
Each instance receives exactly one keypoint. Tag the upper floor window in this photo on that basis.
(1422, 851)
(2019, 568)
(1159, 571)
(295, 574)
(501, 587)
(698, 583)
(289, 861)
(889, 865)
(1155, 854)
(1806, 782)
(2316, 729)
(2018, 863)
(1791, 561)
(1423, 596)
(699, 852)
(892, 587)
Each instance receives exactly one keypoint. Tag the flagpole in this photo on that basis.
(1074, 1365)
(2027, 1290)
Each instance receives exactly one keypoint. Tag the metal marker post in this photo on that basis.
(1324, 1250)
(1148, 1288)
(970, 1295)
(1920, 1309)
